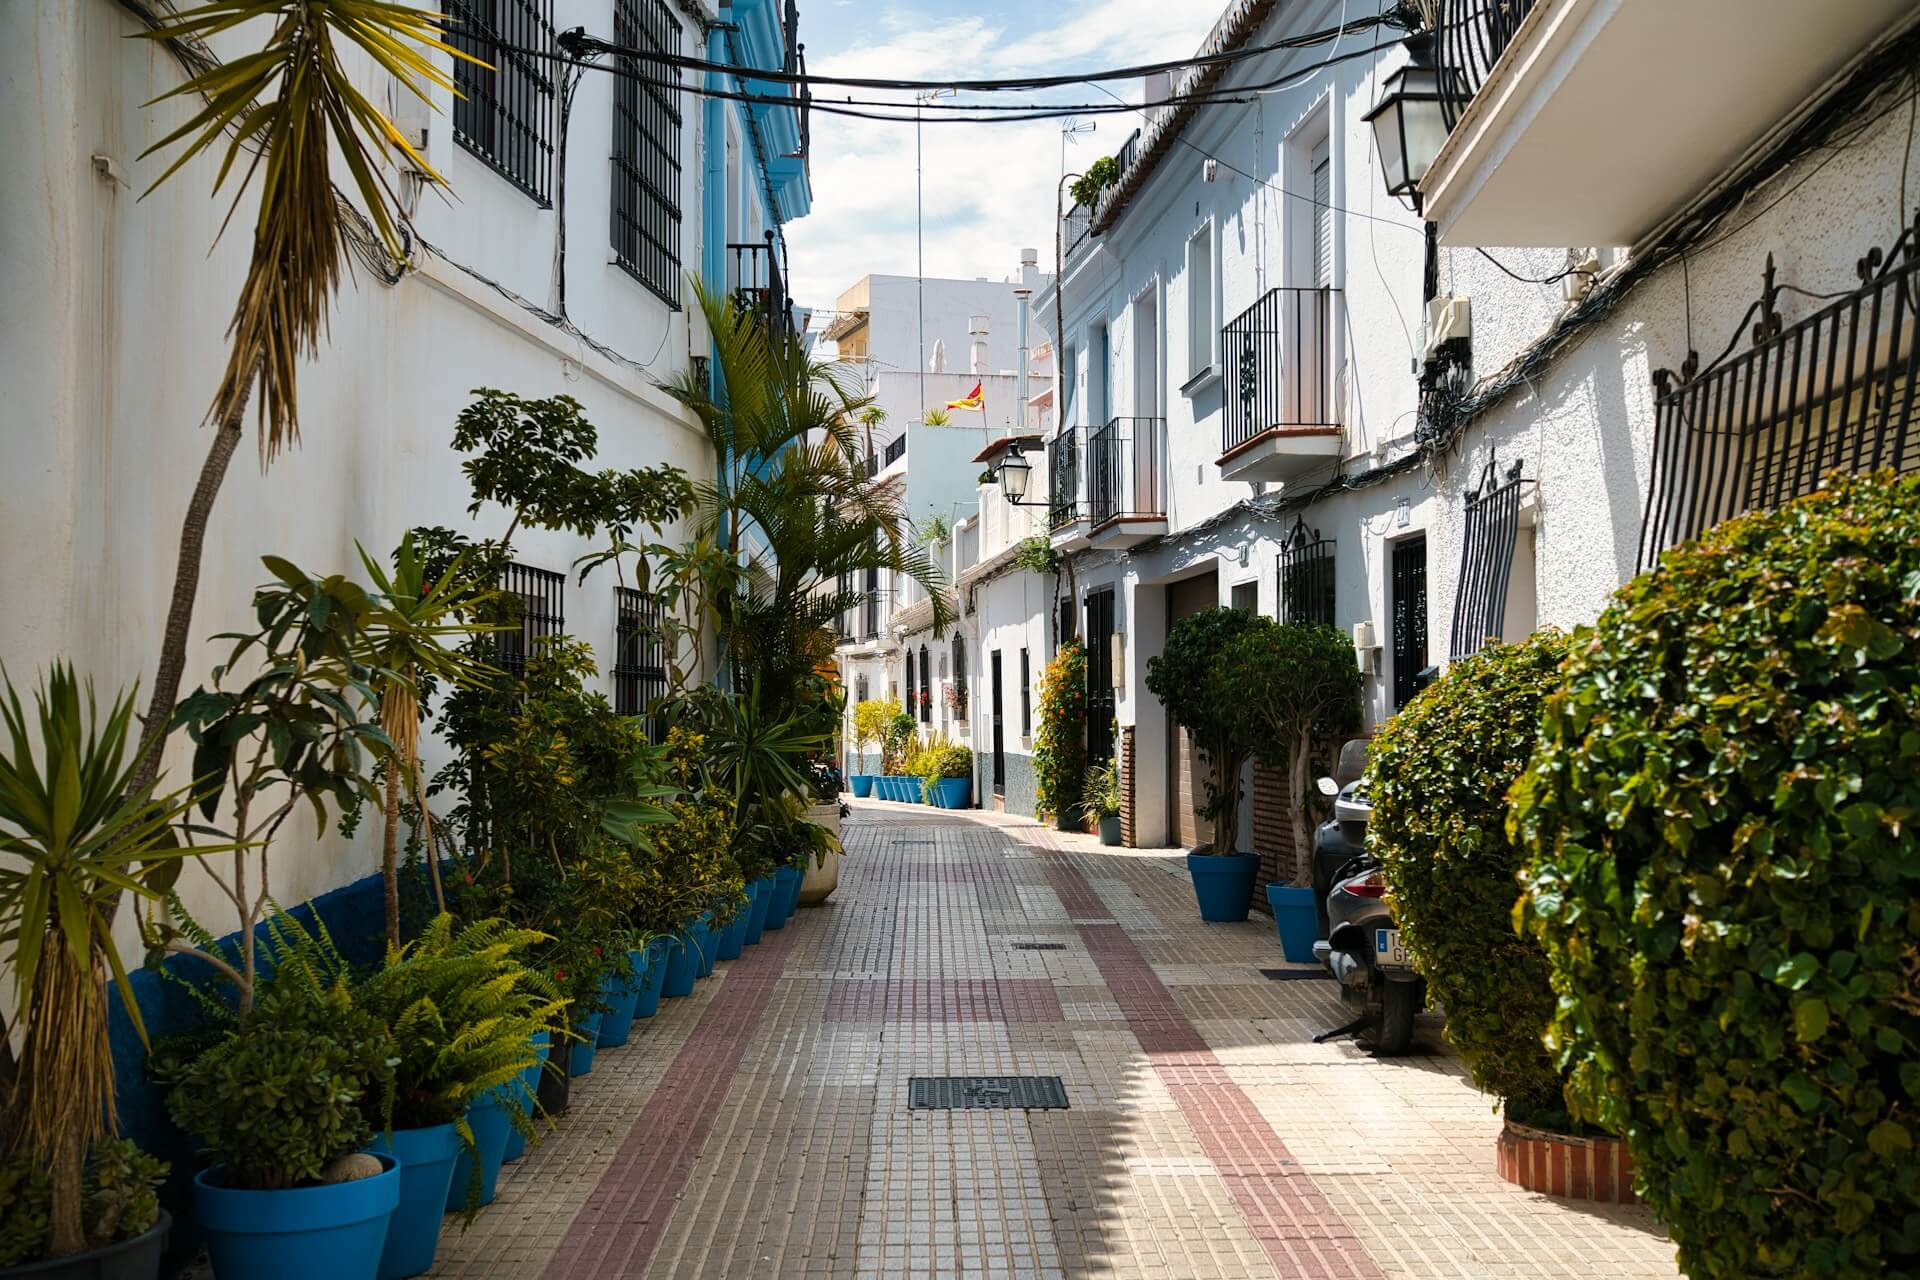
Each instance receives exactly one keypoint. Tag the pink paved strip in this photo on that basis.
(1301, 1232)
(943, 1000)
(617, 1231)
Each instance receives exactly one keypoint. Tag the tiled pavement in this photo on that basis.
(761, 1128)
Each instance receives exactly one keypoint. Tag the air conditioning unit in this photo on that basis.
(1449, 319)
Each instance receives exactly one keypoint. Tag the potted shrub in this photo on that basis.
(464, 1012)
(1292, 685)
(821, 875)
(75, 831)
(952, 780)
(1189, 678)
(1718, 821)
(1438, 775)
(1060, 736)
(1103, 800)
(897, 746)
(870, 721)
(286, 1096)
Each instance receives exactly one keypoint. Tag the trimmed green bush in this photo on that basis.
(1726, 878)
(1188, 678)
(1060, 736)
(1438, 775)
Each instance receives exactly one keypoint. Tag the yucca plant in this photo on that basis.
(75, 833)
(280, 117)
(463, 1009)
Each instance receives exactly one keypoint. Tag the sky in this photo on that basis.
(988, 189)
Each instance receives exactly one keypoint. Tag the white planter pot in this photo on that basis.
(821, 878)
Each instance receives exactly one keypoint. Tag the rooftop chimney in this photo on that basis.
(977, 328)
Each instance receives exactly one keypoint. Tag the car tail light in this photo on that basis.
(1374, 886)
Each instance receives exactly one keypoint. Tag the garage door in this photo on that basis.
(1186, 782)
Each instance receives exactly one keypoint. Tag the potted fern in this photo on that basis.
(464, 1010)
(1102, 800)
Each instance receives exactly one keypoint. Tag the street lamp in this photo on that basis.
(1014, 471)
(1408, 125)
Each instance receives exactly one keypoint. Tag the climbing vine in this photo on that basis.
(1060, 739)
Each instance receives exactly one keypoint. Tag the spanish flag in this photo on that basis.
(973, 400)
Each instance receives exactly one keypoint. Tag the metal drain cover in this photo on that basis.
(1293, 975)
(1004, 1093)
(1039, 946)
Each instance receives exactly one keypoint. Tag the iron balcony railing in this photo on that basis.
(759, 285)
(1491, 532)
(1835, 391)
(1063, 479)
(1472, 36)
(1279, 365)
(1126, 470)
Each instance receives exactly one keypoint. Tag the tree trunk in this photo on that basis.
(1297, 781)
(67, 1232)
(390, 854)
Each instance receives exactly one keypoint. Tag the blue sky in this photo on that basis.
(989, 189)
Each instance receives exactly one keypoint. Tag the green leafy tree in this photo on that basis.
(1438, 776)
(1060, 734)
(1189, 679)
(1725, 877)
(870, 721)
(1291, 685)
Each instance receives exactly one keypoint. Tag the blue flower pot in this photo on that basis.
(580, 1053)
(953, 793)
(617, 1021)
(862, 785)
(707, 938)
(682, 966)
(528, 1090)
(777, 900)
(788, 880)
(1296, 920)
(1223, 884)
(651, 971)
(490, 1125)
(426, 1159)
(887, 786)
(762, 891)
(333, 1232)
(733, 936)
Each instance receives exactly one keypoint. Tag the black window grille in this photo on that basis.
(1832, 392)
(1492, 528)
(646, 149)
(960, 682)
(1100, 701)
(503, 111)
(1306, 577)
(639, 658)
(926, 687)
(1063, 469)
(1409, 604)
(1026, 695)
(870, 607)
(537, 597)
(911, 687)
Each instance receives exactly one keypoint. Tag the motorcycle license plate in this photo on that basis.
(1387, 950)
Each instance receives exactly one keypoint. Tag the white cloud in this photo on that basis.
(988, 188)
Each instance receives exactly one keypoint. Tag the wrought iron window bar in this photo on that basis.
(646, 149)
(1472, 36)
(1126, 468)
(1279, 367)
(1409, 605)
(896, 449)
(1063, 479)
(1306, 590)
(1491, 531)
(537, 598)
(503, 110)
(926, 687)
(639, 658)
(1831, 392)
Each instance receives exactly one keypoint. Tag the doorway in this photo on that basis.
(1100, 702)
(1186, 776)
(1408, 607)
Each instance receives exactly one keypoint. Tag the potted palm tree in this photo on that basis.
(75, 832)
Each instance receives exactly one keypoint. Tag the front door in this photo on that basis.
(1099, 676)
(999, 734)
(1409, 606)
(1186, 776)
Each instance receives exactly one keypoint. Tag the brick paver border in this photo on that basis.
(617, 1231)
(1301, 1232)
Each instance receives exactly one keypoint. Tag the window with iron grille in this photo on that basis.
(1492, 529)
(1834, 391)
(538, 600)
(639, 657)
(1246, 597)
(503, 111)
(1306, 577)
(926, 687)
(911, 686)
(1409, 606)
(1026, 696)
(960, 682)
(646, 149)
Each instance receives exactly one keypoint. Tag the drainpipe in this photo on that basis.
(1023, 310)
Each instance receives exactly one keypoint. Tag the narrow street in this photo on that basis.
(763, 1128)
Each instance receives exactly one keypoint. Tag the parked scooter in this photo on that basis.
(1359, 944)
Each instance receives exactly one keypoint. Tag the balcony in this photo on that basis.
(1282, 419)
(1066, 500)
(1126, 482)
(1589, 122)
(758, 286)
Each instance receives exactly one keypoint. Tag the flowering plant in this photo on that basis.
(955, 696)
